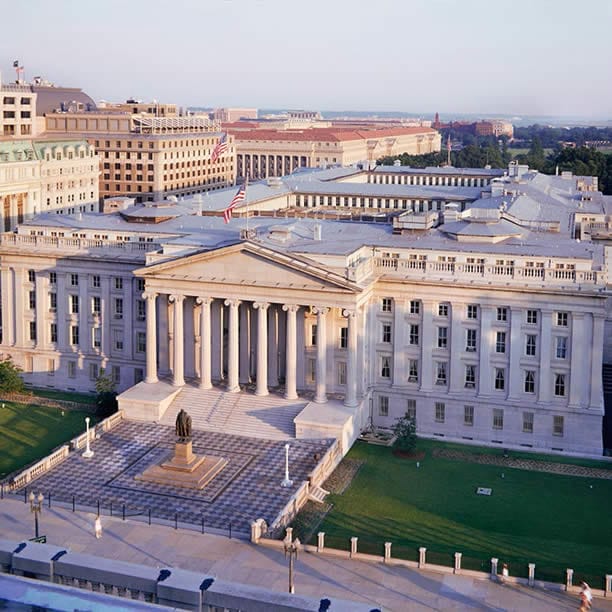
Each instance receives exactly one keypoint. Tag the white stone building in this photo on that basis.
(471, 307)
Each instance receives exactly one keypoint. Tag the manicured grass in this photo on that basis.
(551, 520)
(67, 396)
(29, 432)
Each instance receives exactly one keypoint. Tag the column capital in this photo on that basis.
(149, 295)
(320, 310)
(232, 302)
(203, 299)
(177, 298)
(349, 313)
(261, 305)
(291, 307)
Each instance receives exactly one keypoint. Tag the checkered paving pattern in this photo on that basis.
(248, 488)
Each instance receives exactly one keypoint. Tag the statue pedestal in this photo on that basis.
(184, 469)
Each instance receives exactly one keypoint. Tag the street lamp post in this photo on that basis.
(291, 549)
(36, 505)
(287, 482)
(88, 452)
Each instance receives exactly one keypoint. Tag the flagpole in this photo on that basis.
(246, 201)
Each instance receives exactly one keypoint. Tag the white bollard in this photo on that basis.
(387, 551)
(353, 546)
(494, 562)
(422, 557)
(531, 574)
(569, 578)
(457, 569)
(320, 541)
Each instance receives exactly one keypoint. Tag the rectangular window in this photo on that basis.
(532, 317)
(468, 415)
(440, 372)
(116, 374)
(442, 337)
(387, 305)
(53, 332)
(141, 310)
(470, 376)
(529, 381)
(558, 426)
(311, 370)
(560, 385)
(443, 310)
(31, 276)
(500, 379)
(32, 300)
(96, 337)
(138, 375)
(411, 409)
(313, 334)
(74, 304)
(414, 335)
(118, 283)
(74, 334)
(118, 339)
(386, 332)
(341, 373)
(93, 371)
(531, 345)
(141, 342)
(415, 307)
(500, 342)
(561, 319)
(52, 278)
(51, 367)
(502, 313)
(440, 412)
(96, 304)
(498, 418)
(32, 330)
(528, 422)
(383, 406)
(140, 284)
(385, 366)
(118, 308)
(72, 368)
(95, 281)
(561, 347)
(470, 340)
(413, 370)
(74, 280)
(472, 311)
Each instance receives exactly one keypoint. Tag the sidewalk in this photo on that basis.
(394, 588)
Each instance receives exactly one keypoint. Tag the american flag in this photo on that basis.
(219, 149)
(239, 197)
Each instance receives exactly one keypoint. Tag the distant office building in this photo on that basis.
(46, 176)
(148, 156)
(264, 153)
(233, 114)
(17, 110)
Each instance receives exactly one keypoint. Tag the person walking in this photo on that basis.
(98, 527)
(586, 597)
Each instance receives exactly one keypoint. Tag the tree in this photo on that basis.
(405, 432)
(106, 400)
(10, 380)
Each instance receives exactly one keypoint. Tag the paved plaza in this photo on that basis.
(248, 488)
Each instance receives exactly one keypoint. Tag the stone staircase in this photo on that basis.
(317, 494)
(269, 417)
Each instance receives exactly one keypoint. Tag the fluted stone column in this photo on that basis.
(178, 377)
(273, 346)
(151, 340)
(321, 387)
(350, 399)
(205, 342)
(291, 351)
(262, 348)
(233, 363)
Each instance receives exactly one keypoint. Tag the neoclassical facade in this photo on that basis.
(488, 326)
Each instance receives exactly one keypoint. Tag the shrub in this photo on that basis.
(10, 380)
(405, 430)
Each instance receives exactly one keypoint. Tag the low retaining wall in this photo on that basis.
(388, 559)
(166, 585)
(22, 398)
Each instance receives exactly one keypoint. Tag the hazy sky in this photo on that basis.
(511, 57)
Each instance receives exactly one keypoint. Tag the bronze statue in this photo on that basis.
(183, 426)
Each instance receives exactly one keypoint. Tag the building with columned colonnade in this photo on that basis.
(460, 297)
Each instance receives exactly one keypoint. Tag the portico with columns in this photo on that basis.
(243, 316)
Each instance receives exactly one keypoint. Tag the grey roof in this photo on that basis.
(49, 99)
(498, 228)
(441, 170)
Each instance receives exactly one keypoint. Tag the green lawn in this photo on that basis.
(551, 520)
(29, 432)
(81, 398)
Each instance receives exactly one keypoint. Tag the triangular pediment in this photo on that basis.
(251, 265)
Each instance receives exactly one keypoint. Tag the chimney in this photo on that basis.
(317, 231)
